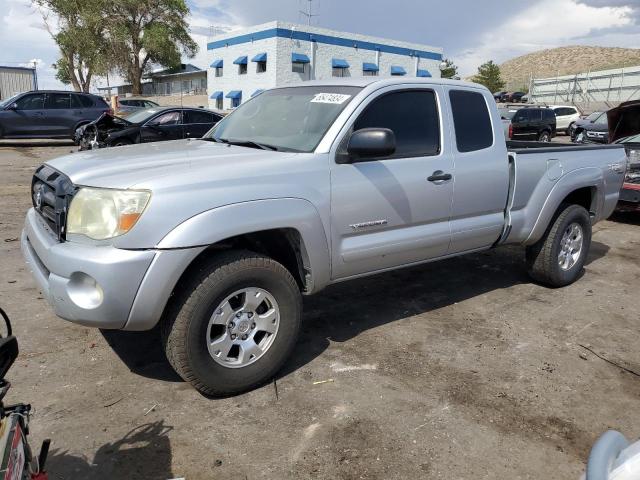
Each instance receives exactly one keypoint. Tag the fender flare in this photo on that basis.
(220, 223)
(587, 177)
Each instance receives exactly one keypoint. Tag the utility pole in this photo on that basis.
(35, 75)
(308, 13)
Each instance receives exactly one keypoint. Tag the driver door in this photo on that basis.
(393, 211)
(165, 126)
(28, 118)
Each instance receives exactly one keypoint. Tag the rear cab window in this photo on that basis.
(471, 120)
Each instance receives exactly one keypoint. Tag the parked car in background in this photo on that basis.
(596, 131)
(516, 97)
(497, 96)
(127, 105)
(582, 121)
(217, 239)
(147, 125)
(624, 129)
(566, 116)
(529, 123)
(49, 114)
(630, 193)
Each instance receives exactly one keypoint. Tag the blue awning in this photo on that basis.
(217, 64)
(216, 95)
(257, 92)
(234, 94)
(369, 67)
(339, 63)
(261, 57)
(423, 73)
(395, 70)
(241, 60)
(299, 58)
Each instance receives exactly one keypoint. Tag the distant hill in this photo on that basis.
(566, 61)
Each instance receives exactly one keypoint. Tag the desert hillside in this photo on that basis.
(566, 61)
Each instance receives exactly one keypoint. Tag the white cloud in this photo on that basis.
(547, 24)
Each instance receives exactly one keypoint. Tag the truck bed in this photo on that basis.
(540, 173)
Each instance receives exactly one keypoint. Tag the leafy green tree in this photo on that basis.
(450, 70)
(489, 76)
(77, 27)
(143, 33)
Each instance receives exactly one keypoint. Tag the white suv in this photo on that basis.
(565, 116)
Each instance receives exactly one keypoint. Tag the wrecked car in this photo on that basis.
(147, 125)
(624, 128)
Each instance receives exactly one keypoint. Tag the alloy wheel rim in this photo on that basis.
(571, 246)
(243, 327)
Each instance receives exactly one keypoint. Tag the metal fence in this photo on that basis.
(589, 91)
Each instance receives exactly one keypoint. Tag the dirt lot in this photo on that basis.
(460, 369)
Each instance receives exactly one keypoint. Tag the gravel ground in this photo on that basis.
(459, 369)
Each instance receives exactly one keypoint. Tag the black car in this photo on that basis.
(147, 125)
(530, 123)
(48, 114)
(592, 129)
(497, 96)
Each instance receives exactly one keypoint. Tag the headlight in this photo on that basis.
(101, 213)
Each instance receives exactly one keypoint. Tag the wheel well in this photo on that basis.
(284, 245)
(584, 197)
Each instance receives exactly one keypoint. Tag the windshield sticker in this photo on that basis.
(335, 98)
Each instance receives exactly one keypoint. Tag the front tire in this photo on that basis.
(544, 137)
(558, 257)
(234, 324)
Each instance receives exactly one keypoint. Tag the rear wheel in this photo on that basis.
(544, 137)
(234, 324)
(557, 258)
(570, 130)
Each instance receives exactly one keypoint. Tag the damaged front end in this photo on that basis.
(94, 135)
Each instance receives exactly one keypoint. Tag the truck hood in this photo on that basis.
(127, 166)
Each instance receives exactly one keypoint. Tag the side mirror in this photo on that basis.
(370, 143)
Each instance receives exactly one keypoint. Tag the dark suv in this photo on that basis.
(48, 114)
(530, 123)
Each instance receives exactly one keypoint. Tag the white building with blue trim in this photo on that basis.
(246, 62)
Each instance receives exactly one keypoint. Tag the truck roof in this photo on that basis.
(383, 81)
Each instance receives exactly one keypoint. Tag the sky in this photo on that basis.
(470, 31)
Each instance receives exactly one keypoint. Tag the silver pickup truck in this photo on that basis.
(301, 187)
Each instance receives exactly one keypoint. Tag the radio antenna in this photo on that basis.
(308, 13)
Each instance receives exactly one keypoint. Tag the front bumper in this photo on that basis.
(102, 286)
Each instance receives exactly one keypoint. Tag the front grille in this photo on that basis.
(51, 193)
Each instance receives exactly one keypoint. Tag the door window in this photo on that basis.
(81, 101)
(521, 116)
(34, 101)
(412, 115)
(169, 118)
(471, 120)
(195, 116)
(58, 101)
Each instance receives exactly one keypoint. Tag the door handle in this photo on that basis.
(439, 176)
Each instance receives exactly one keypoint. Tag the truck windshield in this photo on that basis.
(290, 119)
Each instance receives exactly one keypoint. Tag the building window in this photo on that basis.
(219, 72)
(242, 69)
(370, 73)
(339, 72)
(219, 103)
(298, 67)
(261, 67)
(235, 102)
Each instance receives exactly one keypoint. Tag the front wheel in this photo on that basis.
(557, 258)
(544, 137)
(233, 325)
